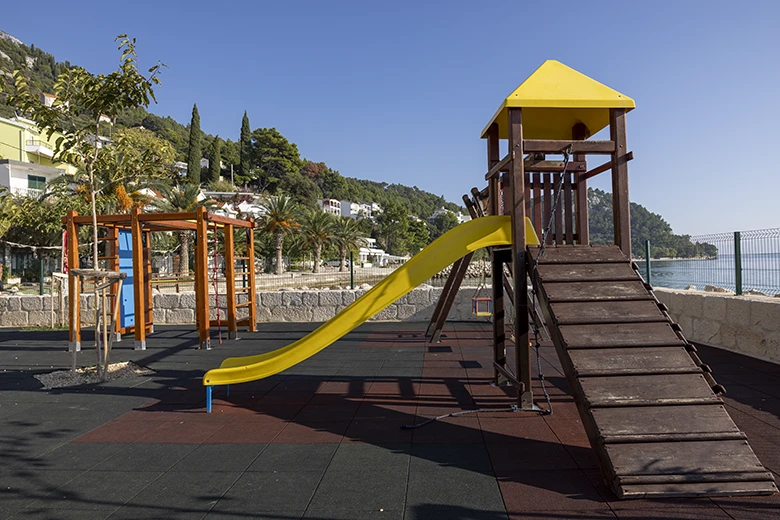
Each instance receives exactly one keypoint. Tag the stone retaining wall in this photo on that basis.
(746, 324)
(273, 306)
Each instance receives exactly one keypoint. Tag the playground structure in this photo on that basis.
(650, 407)
(127, 243)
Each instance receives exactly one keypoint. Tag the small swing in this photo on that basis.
(481, 306)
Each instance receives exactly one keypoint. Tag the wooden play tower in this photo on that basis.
(126, 239)
(651, 408)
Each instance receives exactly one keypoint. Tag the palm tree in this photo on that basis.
(347, 237)
(317, 228)
(280, 220)
(181, 198)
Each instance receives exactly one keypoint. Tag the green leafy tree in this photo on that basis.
(393, 227)
(82, 100)
(442, 223)
(137, 159)
(182, 198)
(215, 159)
(194, 150)
(317, 232)
(280, 220)
(245, 150)
(303, 190)
(230, 158)
(418, 236)
(273, 158)
(346, 237)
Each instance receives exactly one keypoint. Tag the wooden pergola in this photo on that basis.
(137, 227)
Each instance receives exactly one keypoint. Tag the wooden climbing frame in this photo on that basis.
(141, 225)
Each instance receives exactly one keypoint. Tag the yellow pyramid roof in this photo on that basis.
(555, 98)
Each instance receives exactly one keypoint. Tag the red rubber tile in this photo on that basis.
(312, 433)
(529, 456)
(391, 409)
(444, 373)
(182, 432)
(377, 432)
(454, 430)
(320, 413)
(562, 490)
(257, 432)
(120, 431)
(515, 427)
(406, 388)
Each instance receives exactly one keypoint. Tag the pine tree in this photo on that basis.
(245, 147)
(215, 158)
(194, 152)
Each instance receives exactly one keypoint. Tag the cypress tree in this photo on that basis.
(215, 157)
(194, 151)
(245, 147)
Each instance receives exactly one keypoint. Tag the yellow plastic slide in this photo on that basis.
(464, 239)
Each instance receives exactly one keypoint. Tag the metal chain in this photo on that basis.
(535, 280)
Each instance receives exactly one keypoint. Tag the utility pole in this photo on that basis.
(231, 174)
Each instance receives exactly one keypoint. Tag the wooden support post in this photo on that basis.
(112, 246)
(519, 275)
(74, 295)
(230, 281)
(139, 287)
(148, 282)
(496, 262)
(202, 278)
(451, 286)
(580, 132)
(620, 202)
(250, 254)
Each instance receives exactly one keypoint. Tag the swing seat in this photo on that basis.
(479, 310)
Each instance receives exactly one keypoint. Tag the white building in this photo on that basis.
(355, 210)
(28, 179)
(331, 206)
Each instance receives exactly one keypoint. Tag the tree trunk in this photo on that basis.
(317, 255)
(278, 244)
(342, 259)
(184, 252)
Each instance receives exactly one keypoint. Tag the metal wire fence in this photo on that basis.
(746, 262)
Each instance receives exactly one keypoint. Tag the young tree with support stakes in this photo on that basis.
(82, 99)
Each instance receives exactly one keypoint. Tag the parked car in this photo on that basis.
(335, 263)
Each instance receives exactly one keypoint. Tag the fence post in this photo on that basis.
(351, 271)
(40, 274)
(738, 263)
(647, 262)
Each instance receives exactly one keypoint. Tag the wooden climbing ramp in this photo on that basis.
(650, 407)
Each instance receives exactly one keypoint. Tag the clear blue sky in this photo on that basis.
(399, 91)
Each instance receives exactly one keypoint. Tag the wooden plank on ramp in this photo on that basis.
(649, 406)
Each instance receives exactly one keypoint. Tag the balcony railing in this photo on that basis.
(39, 147)
(27, 192)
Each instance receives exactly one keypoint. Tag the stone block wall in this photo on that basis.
(746, 324)
(272, 306)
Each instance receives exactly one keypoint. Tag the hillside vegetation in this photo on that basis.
(645, 225)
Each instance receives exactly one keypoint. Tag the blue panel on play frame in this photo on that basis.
(127, 300)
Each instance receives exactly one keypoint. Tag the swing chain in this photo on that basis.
(535, 279)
